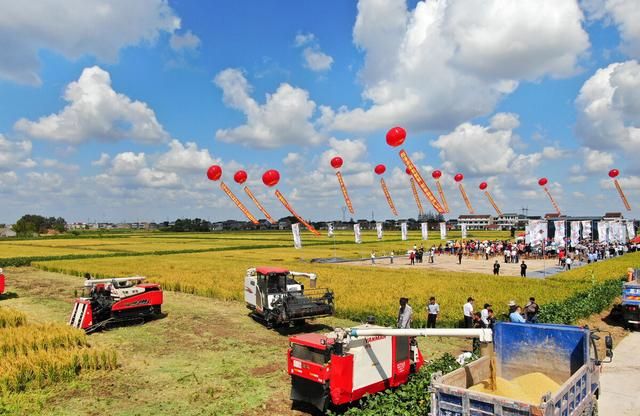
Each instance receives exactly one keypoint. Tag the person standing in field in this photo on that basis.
(568, 262)
(531, 310)
(496, 268)
(405, 314)
(373, 258)
(460, 255)
(467, 312)
(523, 269)
(433, 310)
(484, 315)
(412, 257)
(432, 254)
(391, 257)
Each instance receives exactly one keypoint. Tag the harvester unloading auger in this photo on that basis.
(276, 298)
(116, 302)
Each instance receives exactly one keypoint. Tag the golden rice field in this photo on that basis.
(35, 355)
(360, 291)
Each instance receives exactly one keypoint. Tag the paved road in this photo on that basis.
(619, 380)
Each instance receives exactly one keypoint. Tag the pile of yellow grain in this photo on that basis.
(527, 388)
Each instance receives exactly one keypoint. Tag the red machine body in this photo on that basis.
(325, 371)
(2, 279)
(118, 301)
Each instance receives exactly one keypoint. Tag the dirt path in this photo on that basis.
(206, 357)
(619, 380)
(535, 268)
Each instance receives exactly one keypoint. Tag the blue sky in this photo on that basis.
(111, 111)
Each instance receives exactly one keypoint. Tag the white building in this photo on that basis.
(475, 222)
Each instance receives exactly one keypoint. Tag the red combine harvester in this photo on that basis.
(344, 365)
(2, 279)
(113, 302)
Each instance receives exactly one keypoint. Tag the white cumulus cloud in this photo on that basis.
(74, 28)
(445, 62)
(284, 118)
(185, 41)
(15, 154)
(96, 111)
(625, 14)
(609, 108)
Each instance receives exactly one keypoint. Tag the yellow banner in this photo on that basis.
(259, 205)
(466, 199)
(416, 196)
(553, 201)
(343, 188)
(388, 196)
(290, 209)
(240, 205)
(444, 200)
(421, 183)
(493, 203)
(622, 196)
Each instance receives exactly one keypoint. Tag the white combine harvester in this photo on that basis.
(276, 298)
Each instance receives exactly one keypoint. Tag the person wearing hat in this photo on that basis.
(512, 306)
(467, 311)
(484, 315)
(405, 314)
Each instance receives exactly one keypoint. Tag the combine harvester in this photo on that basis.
(342, 366)
(275, 298)
(2, 281)
(116, 302)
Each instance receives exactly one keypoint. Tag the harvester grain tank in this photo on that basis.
(114, 302)
(276, 298)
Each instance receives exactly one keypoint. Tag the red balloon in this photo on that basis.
(408, 171)
(436, 174)
(271, 177)
(240, 176)
(542, 181)
(613, 173)
(396, 136)
(214, 172)
(483, 185)
(336, 162)
(459, 177)
(380, 169)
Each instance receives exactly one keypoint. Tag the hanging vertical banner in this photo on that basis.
(297, 241)
(443, 231)
(330, 230)
(379, 230)
(527, 234)
(424, 227)
(463, 229)
(356, 233)
(538, 232)
(603, 230)
(558, 238)
(619, 231)
(586, 230)
(403, 231)
(575, 233)
(631, 231)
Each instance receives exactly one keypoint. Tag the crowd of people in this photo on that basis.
(485, 318)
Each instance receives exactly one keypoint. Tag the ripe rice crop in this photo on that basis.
(11, 318)
(34, 355)
(360, 291)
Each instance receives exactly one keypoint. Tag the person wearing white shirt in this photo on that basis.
(467, 311)
(405, 314)
(484, 315)
(433, 310)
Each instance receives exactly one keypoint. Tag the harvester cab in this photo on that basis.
(276, 298)
(119, 301)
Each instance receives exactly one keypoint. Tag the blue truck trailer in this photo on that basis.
(631, 304)
(566, 354)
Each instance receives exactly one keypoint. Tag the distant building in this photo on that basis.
(475, 221)
(7, 232)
